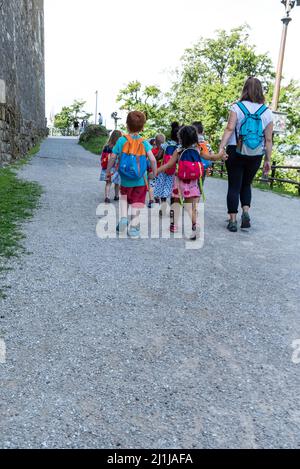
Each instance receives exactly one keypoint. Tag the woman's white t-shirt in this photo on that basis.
(266, 118)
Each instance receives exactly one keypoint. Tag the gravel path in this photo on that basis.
(146, 344)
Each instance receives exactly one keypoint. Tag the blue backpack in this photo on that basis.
(133, 161)
(250, 141)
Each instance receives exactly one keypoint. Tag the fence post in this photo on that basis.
(273, 174)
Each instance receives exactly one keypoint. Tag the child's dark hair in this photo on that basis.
(188, 136)
(175, 129)
(199, 127)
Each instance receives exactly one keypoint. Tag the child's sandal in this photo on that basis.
(134, 232)
(122, 225)
(173, 228)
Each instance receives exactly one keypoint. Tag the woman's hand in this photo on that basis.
(222, 155)
(267, 167)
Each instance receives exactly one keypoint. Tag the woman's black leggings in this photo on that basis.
(241, 172)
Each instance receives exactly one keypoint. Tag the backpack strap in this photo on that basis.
(261, 110)
(128, 138)
(186, 149)
(180, 156)
(243, 108)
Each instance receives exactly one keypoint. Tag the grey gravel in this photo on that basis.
(145, 344)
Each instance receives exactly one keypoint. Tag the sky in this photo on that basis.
(102, 45)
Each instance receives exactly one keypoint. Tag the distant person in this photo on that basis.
(248, 137)
(76, 127)
(83, 126)
(100, 119)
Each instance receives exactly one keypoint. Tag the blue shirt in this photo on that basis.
(118, 150)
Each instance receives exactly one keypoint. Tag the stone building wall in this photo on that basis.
(22, 77)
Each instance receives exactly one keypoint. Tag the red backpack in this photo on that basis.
(190, 167)
(169, 152)
(105, 157)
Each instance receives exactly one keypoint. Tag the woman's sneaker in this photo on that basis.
(107, 200)
(232, 226)
(246, 221)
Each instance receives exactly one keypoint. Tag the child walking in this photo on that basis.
(205, 149)
(115, 178)
(133, 152)
(187, 185)
(165, 180)
(158, 152)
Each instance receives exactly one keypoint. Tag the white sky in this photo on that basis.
(92, 44)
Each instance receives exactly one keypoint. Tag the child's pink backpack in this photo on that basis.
(190, 166)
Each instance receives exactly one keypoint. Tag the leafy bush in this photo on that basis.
(94, 138)
(93, 131)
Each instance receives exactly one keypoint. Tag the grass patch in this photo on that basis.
(95, 144)
(18, 199)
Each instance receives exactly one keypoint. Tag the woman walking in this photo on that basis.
(248, 137)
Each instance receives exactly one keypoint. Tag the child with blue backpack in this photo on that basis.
(187, 183)
(165, 180)
(133, 153)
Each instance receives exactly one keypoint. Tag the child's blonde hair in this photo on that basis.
(160, 139)
(116, 134)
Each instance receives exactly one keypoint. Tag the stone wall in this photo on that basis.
(22, 77)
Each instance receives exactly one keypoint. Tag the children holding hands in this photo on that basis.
(187, 183)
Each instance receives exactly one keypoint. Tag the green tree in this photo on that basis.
(148, 99)
(211, 77)
(70, 114)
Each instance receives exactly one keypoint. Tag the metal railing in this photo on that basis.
(220, 169)
(54, 132)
